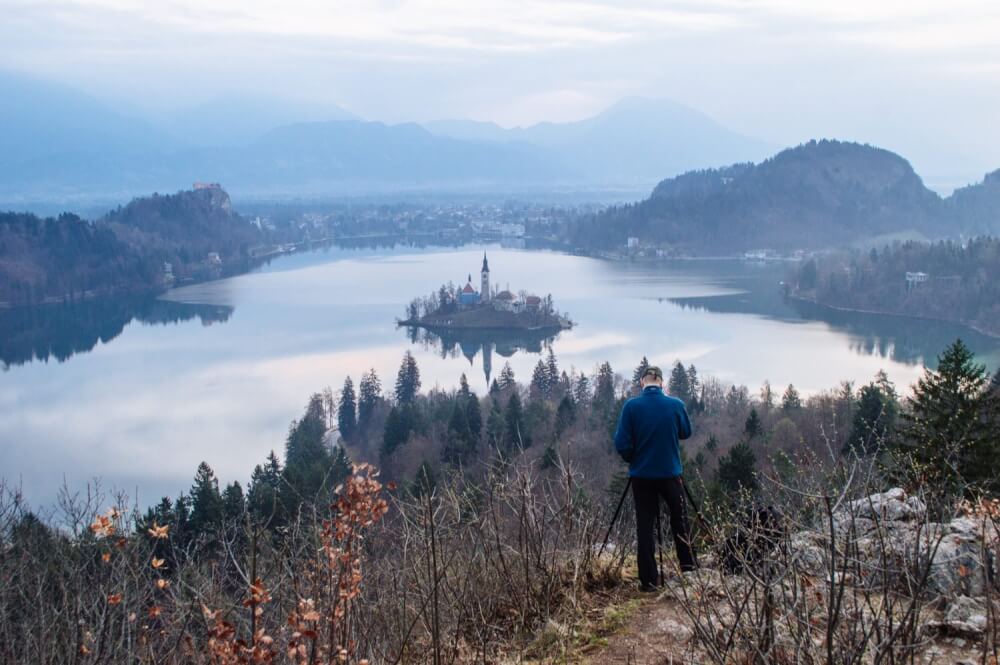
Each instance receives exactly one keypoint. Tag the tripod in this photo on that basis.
(659, 527)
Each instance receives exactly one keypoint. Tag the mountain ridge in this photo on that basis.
(815, 195)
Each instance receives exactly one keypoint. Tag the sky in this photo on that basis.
(918, 77)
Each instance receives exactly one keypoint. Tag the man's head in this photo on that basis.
(651, 377)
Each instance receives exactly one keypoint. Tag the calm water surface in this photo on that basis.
(139, 392)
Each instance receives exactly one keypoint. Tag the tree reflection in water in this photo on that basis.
(60, 331)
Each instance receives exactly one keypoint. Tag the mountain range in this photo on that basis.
(58, 143)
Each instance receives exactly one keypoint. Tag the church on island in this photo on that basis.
(503, 300)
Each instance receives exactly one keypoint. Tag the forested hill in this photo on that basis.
(818, 194)
(64, 256)
(67, 257)
(942, 280)
(187, 225)
(976, 208)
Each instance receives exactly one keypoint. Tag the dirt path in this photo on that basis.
(657, 633)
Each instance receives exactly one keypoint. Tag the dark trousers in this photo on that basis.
(647, 492)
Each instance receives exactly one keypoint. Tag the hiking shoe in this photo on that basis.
(649, 588)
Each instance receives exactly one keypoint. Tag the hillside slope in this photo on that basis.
(67, 257)
(815, 195)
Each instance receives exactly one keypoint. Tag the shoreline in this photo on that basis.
(410, 323)
(898, 315)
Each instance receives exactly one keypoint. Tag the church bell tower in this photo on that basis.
(484, 291)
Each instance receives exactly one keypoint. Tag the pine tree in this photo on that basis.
(307, 461)
(507, 380)
(540, 381)
(791, 401)
(874, 419)
(494, 426)
(515, 434)
(474, 416)
(948, 435)
(369, 393)
(736, 470)
(565, 385)
(347, 415)
(679, 385)
(753, 426)
(407, 380)
(604, 392)
(262, 495)
(639, 372)
(456, 448)
(395, 433)
(581, 389)
(183, 534)
(206, 501)
(232, 503)
(553, 372)
(694, 384)
(565, 415)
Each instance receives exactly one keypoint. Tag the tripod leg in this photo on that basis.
(659, 540)
(614, 519)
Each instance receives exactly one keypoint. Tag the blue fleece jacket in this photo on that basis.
(649, 431)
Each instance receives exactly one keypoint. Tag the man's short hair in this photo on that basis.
(654, 372)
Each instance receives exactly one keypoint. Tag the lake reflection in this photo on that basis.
(147, 389)
(482, 343)
(61, 331)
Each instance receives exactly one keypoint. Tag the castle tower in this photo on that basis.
(484, 290)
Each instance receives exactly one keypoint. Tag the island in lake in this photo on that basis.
(451, 308)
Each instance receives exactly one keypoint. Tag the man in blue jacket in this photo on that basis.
(648, 438)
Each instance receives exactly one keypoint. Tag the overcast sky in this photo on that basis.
(918, 77)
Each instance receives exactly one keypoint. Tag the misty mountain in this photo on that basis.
(54, 138)
(44, 121)
(816, 195)
(57, 143)
(636, 140)
(237, 120)
(324, 154)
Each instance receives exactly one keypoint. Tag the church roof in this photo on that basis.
(533, 300)
(468, 289)
(486, 265)
(505, 295)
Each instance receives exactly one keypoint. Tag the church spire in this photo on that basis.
(484, 290)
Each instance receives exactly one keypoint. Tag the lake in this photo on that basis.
(139, 391)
